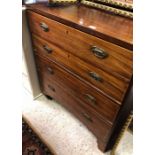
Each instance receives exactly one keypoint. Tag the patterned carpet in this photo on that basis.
(31, 144)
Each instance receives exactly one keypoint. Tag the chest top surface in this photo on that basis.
(115, 29)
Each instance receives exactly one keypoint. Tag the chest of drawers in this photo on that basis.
(85, 65)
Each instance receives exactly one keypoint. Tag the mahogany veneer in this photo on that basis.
(84, 61)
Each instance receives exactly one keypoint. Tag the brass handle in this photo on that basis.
(91, 99)
(50, 70)
(87, 117)
(100, 53)
(50, 87)
(44, 27)
(47, 49)
(95, 76)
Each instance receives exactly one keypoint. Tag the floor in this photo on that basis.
(62, 132)
(58, 128)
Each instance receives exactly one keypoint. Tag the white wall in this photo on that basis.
(30, 79)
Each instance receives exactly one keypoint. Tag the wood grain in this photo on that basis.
(97, 91)
(106, 108)
(99, 128)
(98, 23)
(118, 63)
(113, 87)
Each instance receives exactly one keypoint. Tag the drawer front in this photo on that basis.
(111, 58)
(90, 97)
(113, 87)
(98, 127)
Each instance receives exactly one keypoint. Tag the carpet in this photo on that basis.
(31, 144)
(62, 132)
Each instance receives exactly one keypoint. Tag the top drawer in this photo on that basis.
(111, 58)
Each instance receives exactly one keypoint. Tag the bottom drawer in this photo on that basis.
(98, 127)
(97, 101)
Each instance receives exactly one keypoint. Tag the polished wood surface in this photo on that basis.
(80, 44)
(99, 128)
(90, 97)
(113, 87)
(84, 61)
(98, 23)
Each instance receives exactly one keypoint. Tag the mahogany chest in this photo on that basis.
(84, 61)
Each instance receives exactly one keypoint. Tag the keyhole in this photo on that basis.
(67, 32)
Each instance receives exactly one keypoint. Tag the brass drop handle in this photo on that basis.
(91, 99)
(87, 117)
(95, 76)
(44, 27)
(50, 70)
(47, 49)
(98, 52)
(50, 87)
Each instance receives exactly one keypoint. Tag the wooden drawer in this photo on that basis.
(114, 88)
(90, 97)
(94, 123)
(118, 62)
(90, 76)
